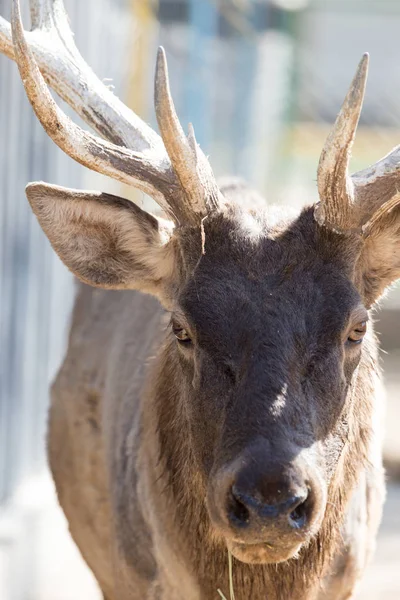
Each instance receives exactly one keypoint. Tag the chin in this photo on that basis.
(262, 554)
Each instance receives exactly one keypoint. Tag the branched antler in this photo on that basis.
(348, 202)
(183, 184)
(52, 43)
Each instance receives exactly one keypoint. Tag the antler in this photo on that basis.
(52, 43)
(135, 154)
(350, 202)
(188, 160)
(335, 186)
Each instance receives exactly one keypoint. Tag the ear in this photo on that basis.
(380, 258)
(107, 241)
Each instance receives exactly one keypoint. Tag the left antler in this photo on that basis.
(348, 202)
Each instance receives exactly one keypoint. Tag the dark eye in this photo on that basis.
(357, 334)
(181, 334)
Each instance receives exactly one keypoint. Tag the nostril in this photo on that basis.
(238, 513)
(282, 509)
(300, 515)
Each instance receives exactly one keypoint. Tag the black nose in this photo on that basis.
(284, 509)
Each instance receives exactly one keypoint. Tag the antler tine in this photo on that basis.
(190, 165)
(335, 186)
(46, 12)
(353, 202)
(97, 154)
(6, 45)
(64, 69)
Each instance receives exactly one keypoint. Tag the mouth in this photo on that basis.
(262, 553)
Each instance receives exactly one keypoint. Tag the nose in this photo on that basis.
(259, 498)
(280, 505)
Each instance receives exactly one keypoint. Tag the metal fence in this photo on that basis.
(36, 291)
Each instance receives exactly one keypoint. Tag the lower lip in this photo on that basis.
(261, 553)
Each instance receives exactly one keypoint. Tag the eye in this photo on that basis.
(357, 334)
(181, 334)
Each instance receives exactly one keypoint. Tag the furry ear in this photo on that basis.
(380, 258)
(106, 241)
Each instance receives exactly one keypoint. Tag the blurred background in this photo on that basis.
(262, 81)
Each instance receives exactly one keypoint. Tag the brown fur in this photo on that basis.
(250, 420)
(124, 457)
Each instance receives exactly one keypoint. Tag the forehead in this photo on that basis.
(258, 268)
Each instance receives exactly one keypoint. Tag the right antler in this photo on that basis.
(134, 154)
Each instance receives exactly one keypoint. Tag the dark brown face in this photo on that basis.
(269, 332)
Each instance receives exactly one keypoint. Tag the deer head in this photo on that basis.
(269, 312)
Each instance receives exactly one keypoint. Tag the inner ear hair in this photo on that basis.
(380, 258)
(105, 240)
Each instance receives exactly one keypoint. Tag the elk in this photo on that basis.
(235, 412)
